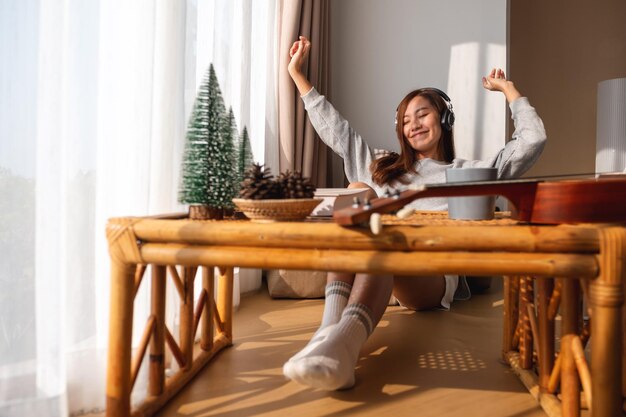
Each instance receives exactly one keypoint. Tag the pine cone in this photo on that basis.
(259, 184)
(294, 185)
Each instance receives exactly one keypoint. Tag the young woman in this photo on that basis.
(355, 303)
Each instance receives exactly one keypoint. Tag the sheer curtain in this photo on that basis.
(94, 101)
(241, 44)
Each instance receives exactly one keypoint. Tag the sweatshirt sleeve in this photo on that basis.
(527, 143)
(336, 132)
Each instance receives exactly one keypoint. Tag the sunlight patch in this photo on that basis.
(252, 379)
(379, 351)
(395, 389)
(300, 337)
(258, 345)
(264, 372)
(449, 360)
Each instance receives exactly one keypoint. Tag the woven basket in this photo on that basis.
(277, 210)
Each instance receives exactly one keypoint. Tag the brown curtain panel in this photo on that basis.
(299, 146)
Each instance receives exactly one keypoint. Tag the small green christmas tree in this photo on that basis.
(223, 186)
(244, 155)
(194, 181)
(208, 174)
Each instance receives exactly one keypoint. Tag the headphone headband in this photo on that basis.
(441, 93)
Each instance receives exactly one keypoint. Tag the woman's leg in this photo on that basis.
(419, 293)
(329, 362)
(353, 307)
(338, 289)
(337, 293)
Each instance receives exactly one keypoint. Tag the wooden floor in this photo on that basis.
(428, 364)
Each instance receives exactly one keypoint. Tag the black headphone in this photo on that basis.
(447, 116)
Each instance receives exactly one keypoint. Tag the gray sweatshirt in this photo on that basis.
(512, 161)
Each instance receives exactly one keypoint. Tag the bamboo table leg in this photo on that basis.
(546, 331)
(526, 336)
(225, 300)
(186, 317)
(570, 383)
(206, 329)
(511, 297)
(125, 256)
(120, 334)
(606, 298)
(156, 378)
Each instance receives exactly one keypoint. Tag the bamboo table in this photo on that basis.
(175, 246)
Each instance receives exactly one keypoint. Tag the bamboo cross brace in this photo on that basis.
(555, 376)
(533, 327)
(555, 300)
(177, 282)
(143, 345)
(219, 323)
(582, 367)
(139, 273)
(171, 342)
(198, 312)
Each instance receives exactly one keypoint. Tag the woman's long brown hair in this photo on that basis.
(393, 166)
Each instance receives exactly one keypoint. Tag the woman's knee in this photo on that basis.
(419, 293)
(358, 184)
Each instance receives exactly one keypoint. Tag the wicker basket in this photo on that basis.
(277, 210)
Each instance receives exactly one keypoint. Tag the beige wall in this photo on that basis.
(558, 52)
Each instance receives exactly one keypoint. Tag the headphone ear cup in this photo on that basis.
(447, 119)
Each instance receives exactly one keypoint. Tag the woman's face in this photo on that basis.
(422, 128)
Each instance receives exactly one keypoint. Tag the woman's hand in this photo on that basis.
(496, 81)
(299, 53)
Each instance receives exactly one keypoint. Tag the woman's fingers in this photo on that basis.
(293, 49)
(302, 45)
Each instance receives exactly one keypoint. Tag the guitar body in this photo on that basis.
(588, 201)
(598, 200)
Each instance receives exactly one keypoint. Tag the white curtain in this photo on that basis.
(94, 101)
(241, 44)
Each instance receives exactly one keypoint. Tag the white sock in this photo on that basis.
(337, 294)
(329, 364)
